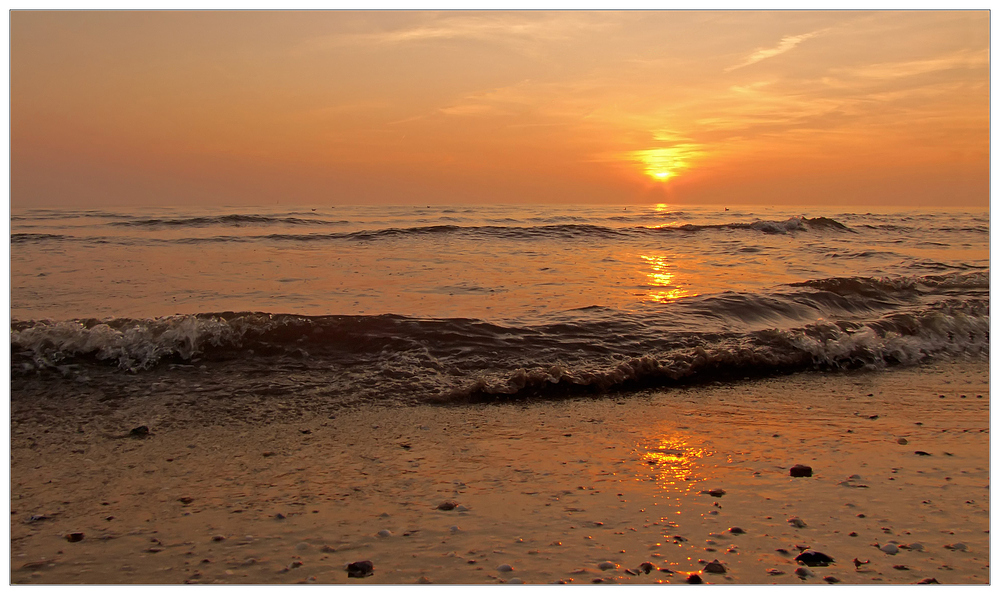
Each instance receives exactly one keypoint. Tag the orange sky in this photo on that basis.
(802, 108)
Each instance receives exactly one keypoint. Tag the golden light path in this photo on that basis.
(662, 277)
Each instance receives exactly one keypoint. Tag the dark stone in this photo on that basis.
(447, 505)
(929, 581)
(717, 493)
(279, 516)
(361, 569)
(185, 500)
(921, 453)
(736, 531)
(647, 567)
(74, 537)
(38, 517)
(859, 563)
(831, 579)
(801, 471)
(140, 432)
(715, 567)
(813, 558)
(900, 566)
(694, 579)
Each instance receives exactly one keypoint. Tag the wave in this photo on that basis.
(234, 220)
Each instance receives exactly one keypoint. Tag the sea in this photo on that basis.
(403, 305)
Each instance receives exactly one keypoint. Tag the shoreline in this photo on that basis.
(554, 489)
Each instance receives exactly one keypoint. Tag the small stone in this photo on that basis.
(454, 528)
(607, 565)
(268, 454)
(890, 548)
(279, 516)
(831, 579)
(424, 580)
(813, 558)
(900, 567)
(736, 531)
(447, 505)
(505, 568)
(859, 563)
(802, 572)
(140, 432)
(796, 522)
(717, 493)
(361, 569)
(185, 500)
(801, 471)
(715, 567)
(515, 581)
(219, 538)
(852, 534)
(921, 453)
(916, 546)
(647, 567)
(902, 441)
(694, 579)
(961, 547)
(775, 572)
(929, 581)
(385, 533)
(74, 537)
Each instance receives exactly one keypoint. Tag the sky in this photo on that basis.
(465, 107)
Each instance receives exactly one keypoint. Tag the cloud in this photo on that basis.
(787, 43)
(917, 67)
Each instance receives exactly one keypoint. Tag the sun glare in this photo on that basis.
(664, 163)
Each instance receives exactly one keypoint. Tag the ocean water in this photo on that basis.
(457, 304)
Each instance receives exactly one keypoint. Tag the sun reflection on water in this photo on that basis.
(662, 278)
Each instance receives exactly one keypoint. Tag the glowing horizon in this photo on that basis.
(405, 107)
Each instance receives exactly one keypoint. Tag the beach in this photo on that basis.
(578, 490)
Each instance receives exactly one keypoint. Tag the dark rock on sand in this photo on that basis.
(859, 563)
(647, 567)
(929, 581)
(694, 579)
(813, 558)
(716, 493)
(715, 567)
(361, 569)
(185, 500)
(801, 471)
(74, 537)
(831, 579)
(447, 505)
(279, 516)
(921, 453)
(140, 432)
(802, 573)
(736, 531)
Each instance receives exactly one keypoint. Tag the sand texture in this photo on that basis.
(583, 490)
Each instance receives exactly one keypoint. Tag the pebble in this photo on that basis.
(801, 471)
(736, 531)
(890, 548)
(447, 505)
(219, 538)
(716, 493)
(385, 533)
(775, 572)
(185, 500)
(929, 581)
(796, 522)
(715, 567)
(831, 579)
(921, 453)
(813, 558)
(424, 580)
(802, 572)
(140, 432)
(454, 528)
(302, 546)
(607, 565)
(647, 567)
(279, 516)
(952, 546)
(360, 569)
(694, 579)
(917, 546)
(505, 568)
(902, 441)
(74, 537)
(515, 581)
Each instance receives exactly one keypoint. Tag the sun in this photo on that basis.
(662, 175)
(664, 163)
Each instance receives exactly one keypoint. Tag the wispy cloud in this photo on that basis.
(916, 67)
(787, 43)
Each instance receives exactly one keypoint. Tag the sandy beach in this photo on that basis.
(582, 491)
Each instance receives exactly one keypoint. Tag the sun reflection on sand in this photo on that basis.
(662, 278)
(675, 462)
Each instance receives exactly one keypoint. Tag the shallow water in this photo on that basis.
(431, 304)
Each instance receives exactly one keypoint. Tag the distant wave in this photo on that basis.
(225, 221)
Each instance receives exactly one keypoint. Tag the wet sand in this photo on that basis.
(221, 493)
